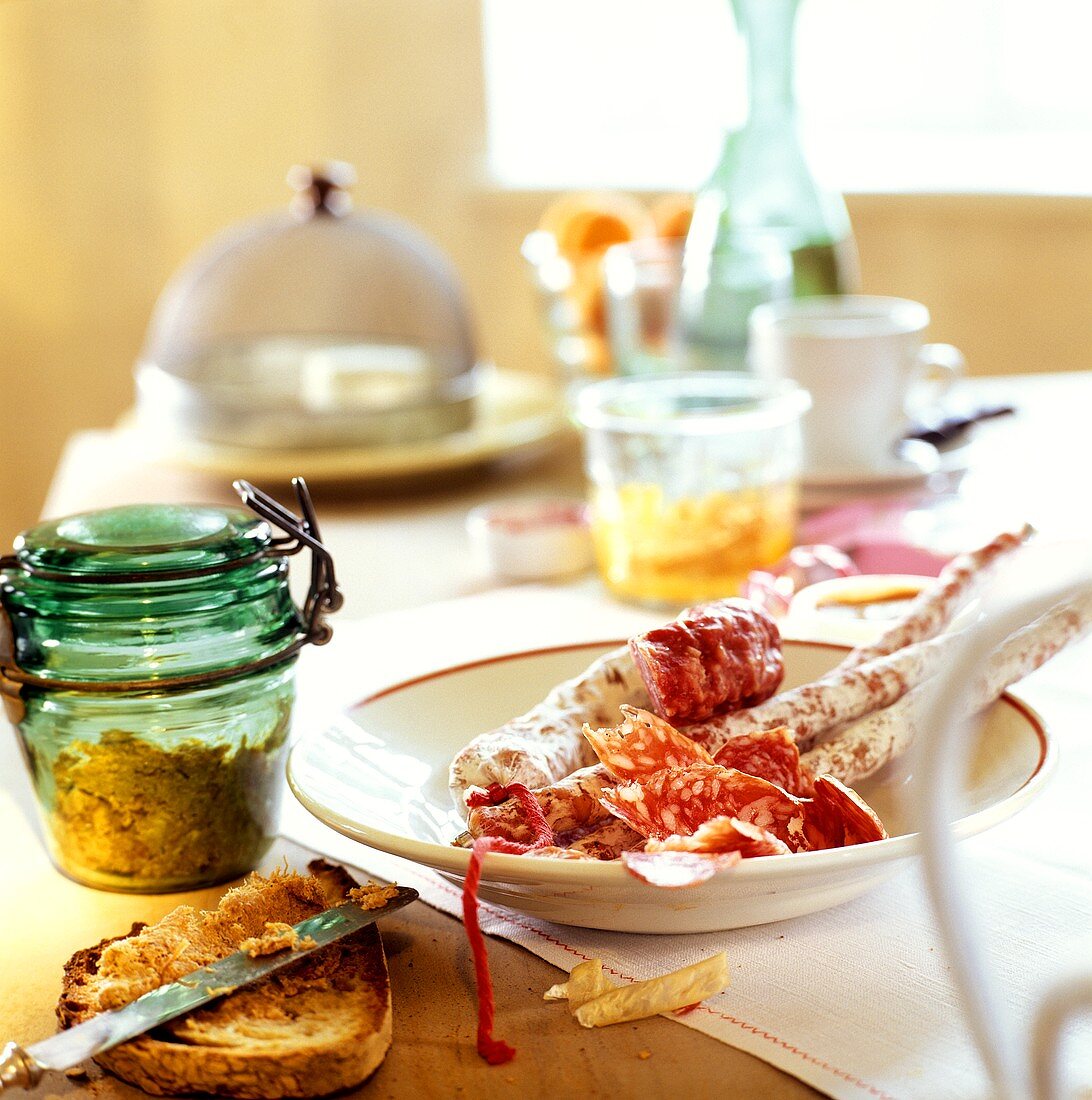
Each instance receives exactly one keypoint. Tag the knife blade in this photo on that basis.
(22, 1068)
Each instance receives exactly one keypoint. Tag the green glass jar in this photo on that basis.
(147, 660)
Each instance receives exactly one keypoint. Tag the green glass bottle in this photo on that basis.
(763, 228)
(147, 660)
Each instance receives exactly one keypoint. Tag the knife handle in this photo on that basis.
(17, 1069)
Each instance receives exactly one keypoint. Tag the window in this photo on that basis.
(895, 95)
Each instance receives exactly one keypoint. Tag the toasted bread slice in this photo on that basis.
(309, 1029)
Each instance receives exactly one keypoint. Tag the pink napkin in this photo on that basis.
(873, 534)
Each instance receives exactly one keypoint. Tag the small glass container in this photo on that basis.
(533, 539)
(147, 661)
(693, 481)
(642, 298)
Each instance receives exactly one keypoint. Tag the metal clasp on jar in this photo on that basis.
(323, 595)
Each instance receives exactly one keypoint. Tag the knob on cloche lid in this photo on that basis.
(317, 326)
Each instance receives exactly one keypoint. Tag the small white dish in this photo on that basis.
(851, 609)
(942, 470)
(532, 539)
(379, 776)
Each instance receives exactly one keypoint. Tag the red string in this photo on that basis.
(486, 796)
(495, 1051)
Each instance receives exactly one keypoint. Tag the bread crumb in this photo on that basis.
(644, 1055)
(74, 1072)
(277, 936)
(373, 896)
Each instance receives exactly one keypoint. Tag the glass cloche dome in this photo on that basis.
(315, 327)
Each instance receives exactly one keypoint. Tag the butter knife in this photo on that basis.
(23, 1068)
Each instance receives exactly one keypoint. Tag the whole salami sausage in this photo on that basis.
(861, 749)
(714, 658)
(841, 696)
(937, 605)
(547, 743)
(570, 805)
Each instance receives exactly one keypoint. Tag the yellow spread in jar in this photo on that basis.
(655, 549)
(150, 814)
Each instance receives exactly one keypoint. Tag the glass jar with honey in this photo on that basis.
(693, 481)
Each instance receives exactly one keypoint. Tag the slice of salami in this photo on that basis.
(713, 658)
(771, 755)
(674, 870)
(680, 800)
(837, 817)
(643, 744)
(724, 834)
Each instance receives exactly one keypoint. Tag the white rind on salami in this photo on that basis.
(936, 606)
(841, 696)
(1031, 647)
(547, 743)
(863, 748)
(607, 840)
(860, 750)
(569, 806)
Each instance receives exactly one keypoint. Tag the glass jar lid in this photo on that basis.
(150, 541)
(158, 597)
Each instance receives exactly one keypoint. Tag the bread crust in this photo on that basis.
(311, 1028)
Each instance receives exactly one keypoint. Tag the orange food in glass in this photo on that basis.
(653, 549)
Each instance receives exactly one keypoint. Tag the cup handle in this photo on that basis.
(942, 365)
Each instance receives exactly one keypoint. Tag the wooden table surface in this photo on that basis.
(404, 549)
(435, 1019)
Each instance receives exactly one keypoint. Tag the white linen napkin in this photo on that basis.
(856, 1001)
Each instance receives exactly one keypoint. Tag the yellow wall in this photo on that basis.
(131, 130)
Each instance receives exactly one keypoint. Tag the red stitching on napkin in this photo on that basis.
(847, 1077)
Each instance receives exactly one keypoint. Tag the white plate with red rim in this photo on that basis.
(379, 776)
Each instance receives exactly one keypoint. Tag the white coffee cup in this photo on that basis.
(862, 358)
